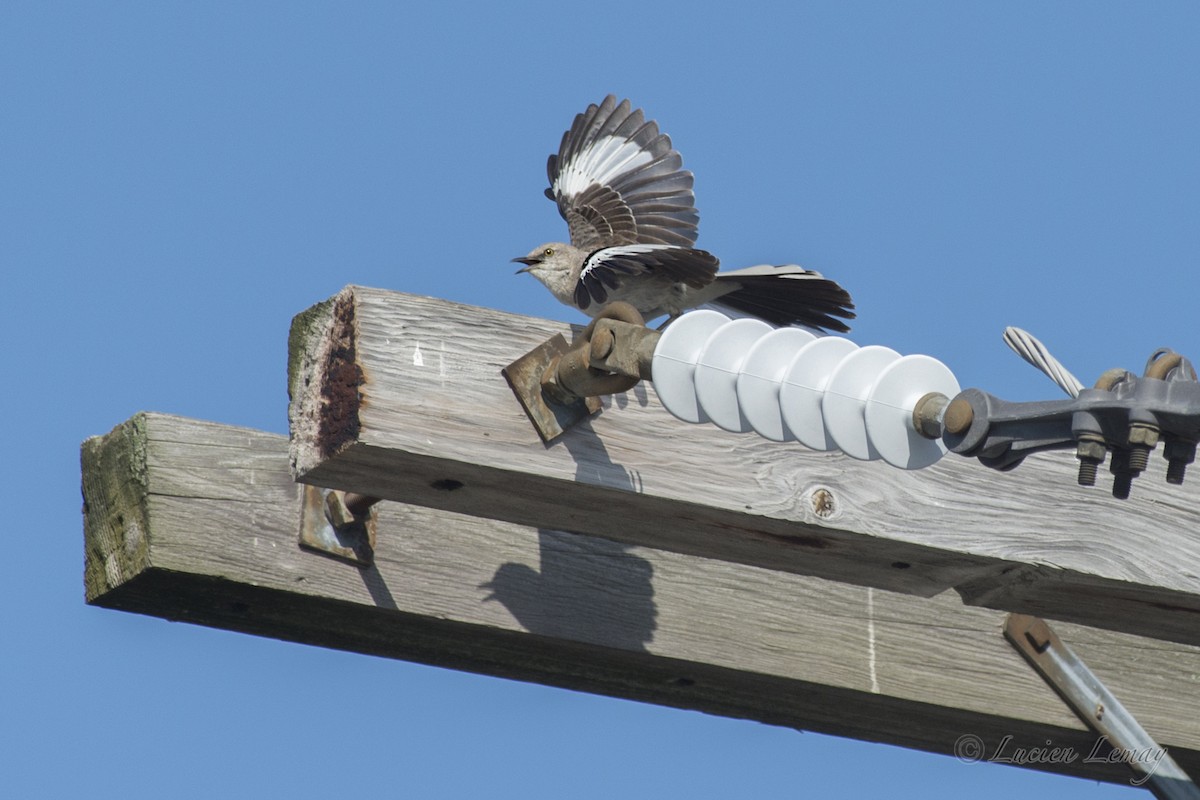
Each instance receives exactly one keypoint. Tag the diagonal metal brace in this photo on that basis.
(1091, 700)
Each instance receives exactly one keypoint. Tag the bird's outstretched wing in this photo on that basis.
(617, 181)
(606, 269)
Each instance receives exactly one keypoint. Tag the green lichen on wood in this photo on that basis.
(306, 325)
(116, 523)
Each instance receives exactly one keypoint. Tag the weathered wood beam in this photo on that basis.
(401, 397)
(198, 522)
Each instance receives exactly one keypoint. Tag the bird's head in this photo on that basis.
(553, 264)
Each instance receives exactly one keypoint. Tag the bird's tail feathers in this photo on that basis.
(787, 295)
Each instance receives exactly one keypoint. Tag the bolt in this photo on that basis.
(1143, 436)
(959, 415)
(927, 414)
(1179, 453)
(336, 511)
(603, 342)
(552, 386)
(1143, 433)
(1139, 458)
(1118, 465)
(1090, 452)
(343, 509)
(360, 504)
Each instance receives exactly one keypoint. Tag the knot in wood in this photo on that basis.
(822, 503)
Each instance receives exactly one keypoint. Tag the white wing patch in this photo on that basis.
(601, 163)
(600, 256)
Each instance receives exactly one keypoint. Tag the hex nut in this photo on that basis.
(1143, 433)
(1090, 448)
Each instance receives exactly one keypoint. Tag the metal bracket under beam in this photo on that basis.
(352, 539)
(1091, 700)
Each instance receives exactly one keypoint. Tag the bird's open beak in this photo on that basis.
(527, 261)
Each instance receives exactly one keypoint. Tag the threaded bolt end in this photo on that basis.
(1176, 467)
(1087, 471)
(1139, 458)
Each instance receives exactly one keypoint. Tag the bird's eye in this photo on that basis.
(549, 251)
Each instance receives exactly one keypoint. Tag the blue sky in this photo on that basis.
(178, 180)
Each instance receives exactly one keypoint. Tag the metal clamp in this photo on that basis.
(1123, 413)
(559, 385)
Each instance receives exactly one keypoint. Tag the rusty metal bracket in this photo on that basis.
(338, 524)
(1091, 700)
(623, 347)
(559, 385)
(550, 415)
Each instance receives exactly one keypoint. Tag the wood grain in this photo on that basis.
(198, 522)
(428, 409)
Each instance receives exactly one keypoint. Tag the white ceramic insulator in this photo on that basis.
(718, 367)
(803, 388)
(889, 410)
(761, 379)
(845, 399)
(674, 363)
(788, 385)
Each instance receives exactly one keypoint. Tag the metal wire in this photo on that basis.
(1027, 346)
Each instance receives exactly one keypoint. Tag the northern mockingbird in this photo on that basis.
(628, 202)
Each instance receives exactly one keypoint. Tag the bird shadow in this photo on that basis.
(586, 588)
(622, 400)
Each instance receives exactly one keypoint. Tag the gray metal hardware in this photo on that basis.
(1123, 414)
